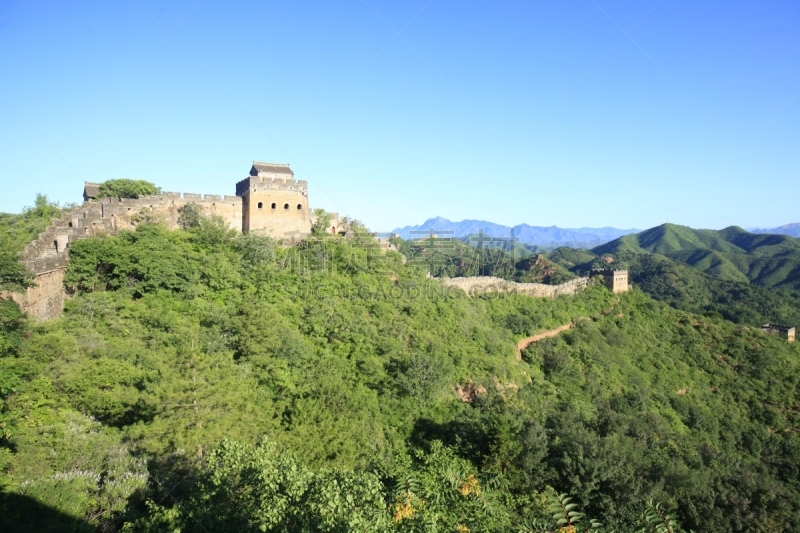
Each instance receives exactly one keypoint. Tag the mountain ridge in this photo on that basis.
(731, 253)
(527, 234)
(793, 230)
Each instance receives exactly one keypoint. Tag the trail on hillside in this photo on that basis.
(527, 341)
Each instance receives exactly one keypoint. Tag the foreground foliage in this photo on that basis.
(206, 380)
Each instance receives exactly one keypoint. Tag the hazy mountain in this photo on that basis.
(793, 230)
(532, 235)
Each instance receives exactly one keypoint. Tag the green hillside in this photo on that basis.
(17, 230)
(731, 254)
(201, 380)
(698, 281)
(453, 258)
(685, 288)
(571, 258)
(692, 289)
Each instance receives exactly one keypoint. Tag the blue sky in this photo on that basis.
(584, 113)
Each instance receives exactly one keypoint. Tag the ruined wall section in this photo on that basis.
(123, 213)
(477, 285)
(48, 255)
(50, 250)
(46, 300)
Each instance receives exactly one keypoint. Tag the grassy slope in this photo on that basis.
(17, 230)
(686, 288)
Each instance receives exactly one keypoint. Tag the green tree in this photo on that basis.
(77, 467)
(322, 222)
(257, 488)
(127, 188)
(189, 216)
(13, 275)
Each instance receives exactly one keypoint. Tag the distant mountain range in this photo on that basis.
(548, 237)
(544, 236)
(793, 230)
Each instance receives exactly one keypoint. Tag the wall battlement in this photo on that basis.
(160, 199)
(271, 183)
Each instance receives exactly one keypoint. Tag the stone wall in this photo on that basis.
(48, 256)
(165, 207)
(482, 284)
(269, 200)
(46, 299)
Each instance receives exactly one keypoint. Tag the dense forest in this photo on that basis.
(665, 279)
(203, 380)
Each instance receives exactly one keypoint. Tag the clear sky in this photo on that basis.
(574, 113)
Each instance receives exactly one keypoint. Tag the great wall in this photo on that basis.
(615, 280)
(269, 200)
(477, 285)
(47, 257)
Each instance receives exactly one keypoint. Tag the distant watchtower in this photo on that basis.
(786, 332)
(615, 280)
(273, 201)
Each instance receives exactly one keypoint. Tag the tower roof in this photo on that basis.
(270, 168)
(90, 190)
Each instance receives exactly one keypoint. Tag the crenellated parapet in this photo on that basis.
(260, 183)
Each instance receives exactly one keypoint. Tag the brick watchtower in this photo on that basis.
(615, 280)
(786, 332)
(274, 202)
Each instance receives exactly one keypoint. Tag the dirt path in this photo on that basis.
(527, 341)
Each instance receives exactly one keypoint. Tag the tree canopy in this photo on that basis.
(200, 379)
(127, 188)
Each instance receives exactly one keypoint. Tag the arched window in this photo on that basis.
(260, 205)
(333, 230)
(286, 206)
(299, 206)
(274, 205)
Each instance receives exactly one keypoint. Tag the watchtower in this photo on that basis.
(615, 280)
(786, 332)
(273, 201)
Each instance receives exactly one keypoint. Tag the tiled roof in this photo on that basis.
(91, 190)
(273, 168)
